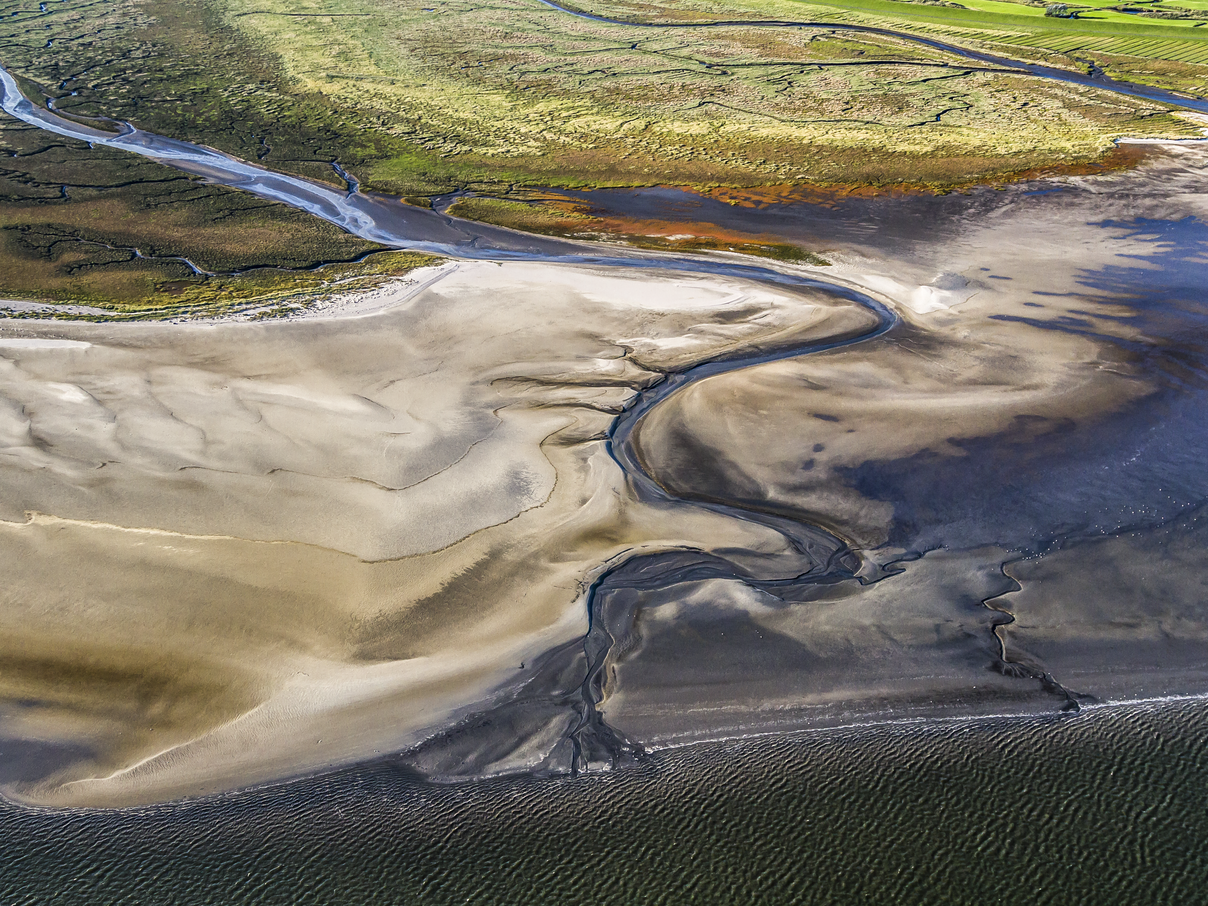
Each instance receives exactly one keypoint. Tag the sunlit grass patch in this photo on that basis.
(509, 91)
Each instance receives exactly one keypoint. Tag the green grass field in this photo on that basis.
(1094, 31)
(1099, 32)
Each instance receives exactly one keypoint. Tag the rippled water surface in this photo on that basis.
(1108, 807)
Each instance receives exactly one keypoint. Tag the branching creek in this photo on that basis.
(587, 740)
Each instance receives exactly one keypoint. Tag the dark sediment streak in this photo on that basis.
(1012, 665)
(590, 743)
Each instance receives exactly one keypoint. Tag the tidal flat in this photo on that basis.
(323, 527)
(453, 563)
(538, 517)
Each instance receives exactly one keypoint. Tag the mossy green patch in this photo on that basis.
(140, 289)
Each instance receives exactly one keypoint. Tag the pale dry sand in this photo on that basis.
(240, 551)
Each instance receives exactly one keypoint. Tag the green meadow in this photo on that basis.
(513, 92)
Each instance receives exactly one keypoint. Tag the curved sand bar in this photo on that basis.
(246, 550)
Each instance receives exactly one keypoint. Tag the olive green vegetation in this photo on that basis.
(510, 91)
(116, 232)
(107, 229)
(503, 95)
(139, 292)
(125, 239)
(419, 99)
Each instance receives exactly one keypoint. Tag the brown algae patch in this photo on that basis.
(554, 215)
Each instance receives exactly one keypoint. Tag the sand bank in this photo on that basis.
(240, 551)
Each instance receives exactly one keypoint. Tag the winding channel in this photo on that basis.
(1094, 79)
(390, 223)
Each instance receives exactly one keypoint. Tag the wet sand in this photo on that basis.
(240, 551)
(1015, 462)
(377, 531)
(498, 523)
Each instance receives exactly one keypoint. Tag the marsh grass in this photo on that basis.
(51, 262)
(508, 91)
(500, 96)
(108, 229)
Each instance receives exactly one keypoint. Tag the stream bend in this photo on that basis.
(587, 740)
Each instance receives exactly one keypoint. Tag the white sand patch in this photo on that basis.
(943, 293)
(41, 343)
